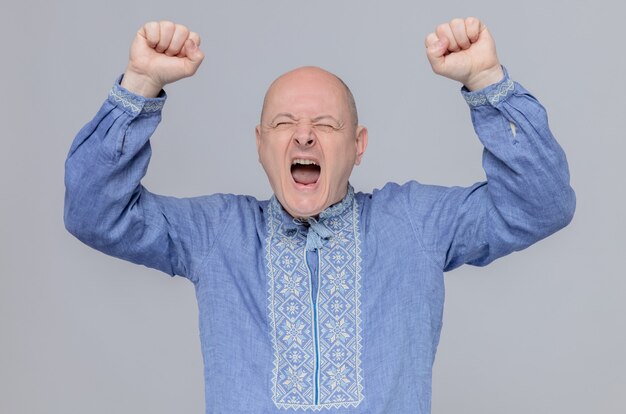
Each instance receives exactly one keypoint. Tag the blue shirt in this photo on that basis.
(342, 313)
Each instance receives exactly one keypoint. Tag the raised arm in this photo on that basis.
(105, 205)
(527, 195)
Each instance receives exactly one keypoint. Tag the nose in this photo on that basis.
(304, 135)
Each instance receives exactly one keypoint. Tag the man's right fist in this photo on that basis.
(162, 53)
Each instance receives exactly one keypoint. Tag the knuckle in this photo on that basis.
(149, 27)
(456, 22)
(151, 32)
(166, 24)
(431, 38)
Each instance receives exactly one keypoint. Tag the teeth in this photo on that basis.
(303, 162)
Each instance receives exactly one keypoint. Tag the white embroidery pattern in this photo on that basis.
(132, 102)
(292, 320)
(492, 97)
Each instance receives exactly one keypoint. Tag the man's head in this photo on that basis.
(309, 140)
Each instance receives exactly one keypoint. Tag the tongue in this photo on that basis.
(305, 174)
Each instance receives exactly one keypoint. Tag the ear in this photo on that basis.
(257, 132)
(360, 143)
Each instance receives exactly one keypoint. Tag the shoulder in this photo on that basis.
(414, 200)
(213, 208)
(395, 194)
(229, 203)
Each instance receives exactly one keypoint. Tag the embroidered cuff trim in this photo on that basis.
(136, 104)
(492, 94)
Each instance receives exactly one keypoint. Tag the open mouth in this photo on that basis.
(305, 172)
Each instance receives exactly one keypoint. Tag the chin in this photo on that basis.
(303, 206)
(303, 210)
(302, 201)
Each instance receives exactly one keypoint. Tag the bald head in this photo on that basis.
(308, 76)
(309, 140)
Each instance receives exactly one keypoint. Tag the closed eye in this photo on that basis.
(283, 125)
(326, 128)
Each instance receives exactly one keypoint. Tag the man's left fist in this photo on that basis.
(464, 50)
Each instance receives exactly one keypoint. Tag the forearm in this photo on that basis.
(527, 171)
(105, 205)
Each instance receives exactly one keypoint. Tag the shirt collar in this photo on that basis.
(316, 229)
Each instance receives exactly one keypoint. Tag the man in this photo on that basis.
(320, 298)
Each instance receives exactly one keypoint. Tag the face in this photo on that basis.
(308, 142)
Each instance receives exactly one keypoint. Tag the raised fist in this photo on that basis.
(464, 50)
(161, 53)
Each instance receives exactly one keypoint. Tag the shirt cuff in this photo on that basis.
(133, 103)
(490, 95)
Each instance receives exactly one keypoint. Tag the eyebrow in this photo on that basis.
(322, 117)
(285, 114)
(314, 120)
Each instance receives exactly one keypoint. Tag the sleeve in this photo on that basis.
(108, 209)
(526, 197)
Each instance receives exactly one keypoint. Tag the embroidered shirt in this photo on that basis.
(339, 314)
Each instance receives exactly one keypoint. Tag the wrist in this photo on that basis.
(140, 84)
(485, 78)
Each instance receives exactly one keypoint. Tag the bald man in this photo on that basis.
(321, 297)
